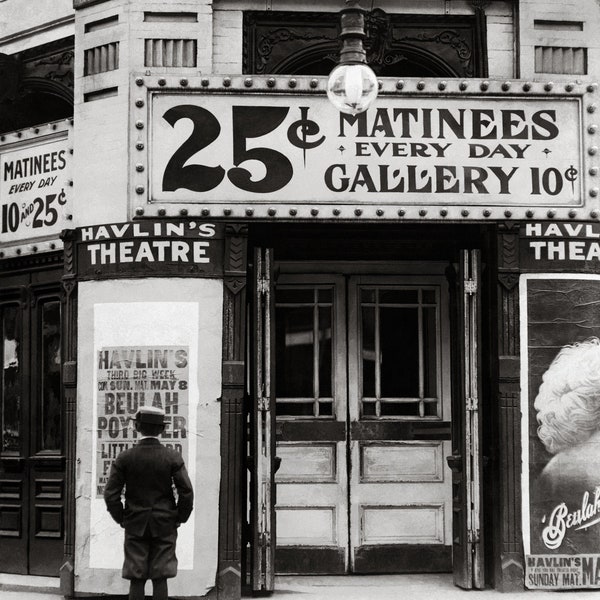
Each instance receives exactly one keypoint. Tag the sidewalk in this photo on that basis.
(402, 587)
(369, 587)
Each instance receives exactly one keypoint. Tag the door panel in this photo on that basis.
(32, 483)
(312, 485)
(262, 424)
(400, 493)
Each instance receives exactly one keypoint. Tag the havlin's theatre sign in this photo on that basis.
(221, 149)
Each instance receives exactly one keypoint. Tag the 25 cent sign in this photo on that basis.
(482, 151)
(33, 189)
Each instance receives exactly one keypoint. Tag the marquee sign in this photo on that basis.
(427, 155)
(35, 174)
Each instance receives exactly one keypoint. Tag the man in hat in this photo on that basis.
(151, 514)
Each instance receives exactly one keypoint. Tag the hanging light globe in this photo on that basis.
(352, 86)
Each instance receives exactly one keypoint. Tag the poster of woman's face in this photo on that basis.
(561, 414)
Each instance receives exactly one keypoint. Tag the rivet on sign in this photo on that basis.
(139, 124)
(442, 85)
(183, 82)
(183, 212)
(551, 214)
(34, 248)
(292, 83)
(548, 87)
(2, 138)
(248, 82)
(593, 171)
(592, 129)
(162, 81)
(379, 212)
(399, 84)
(379, 84)
(205, 212)
(423, 212)
(69, 217)
(314, 83)
(508, 213)
(314, 212)
(36, 130)
(464, 212)
(162, 212)
(139, 189)
(226, 81)
(463, 85)
(139, 146)
(487, 212)
(271, 82)
(139, 211)
(204, 82)
(139, 81)
(19, 134)
(1, 254)
(593, 150)
(293, 212)
(336, 212)
(572, 214)
(271, 212)
(529, 213)
(594, 192)
(569, 87)
(139, 102)
(139, 167)
(506, 86)
(443, 212)
(484, 86)
(249, 212)
(70, 182)
(358, 212)
(592, 87)
(592, 108)
(594, 214)
(18, 250)
(226, 211)
(70, 150)
(401, 212)
(52, 246)
(421, 85)
(526, 86)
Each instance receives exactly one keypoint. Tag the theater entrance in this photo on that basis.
(372, 440)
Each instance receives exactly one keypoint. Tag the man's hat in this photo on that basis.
(150, 414)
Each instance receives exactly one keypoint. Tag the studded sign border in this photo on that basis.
(144, 85)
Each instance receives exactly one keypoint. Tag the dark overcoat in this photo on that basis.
(148, 472)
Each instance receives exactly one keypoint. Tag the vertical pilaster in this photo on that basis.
(69, 385)
(509, 563)
(231, 502)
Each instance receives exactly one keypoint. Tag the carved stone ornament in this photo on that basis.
(508, 280)
(395, 44)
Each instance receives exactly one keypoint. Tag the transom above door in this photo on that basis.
(363, 423)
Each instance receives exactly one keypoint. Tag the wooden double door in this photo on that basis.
(32, 477)
(363, 422)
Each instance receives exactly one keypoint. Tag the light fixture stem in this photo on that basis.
(352, 34)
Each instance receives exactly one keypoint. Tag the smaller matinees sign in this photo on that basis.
(34, 184)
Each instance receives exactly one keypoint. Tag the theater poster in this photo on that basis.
(560, 361)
